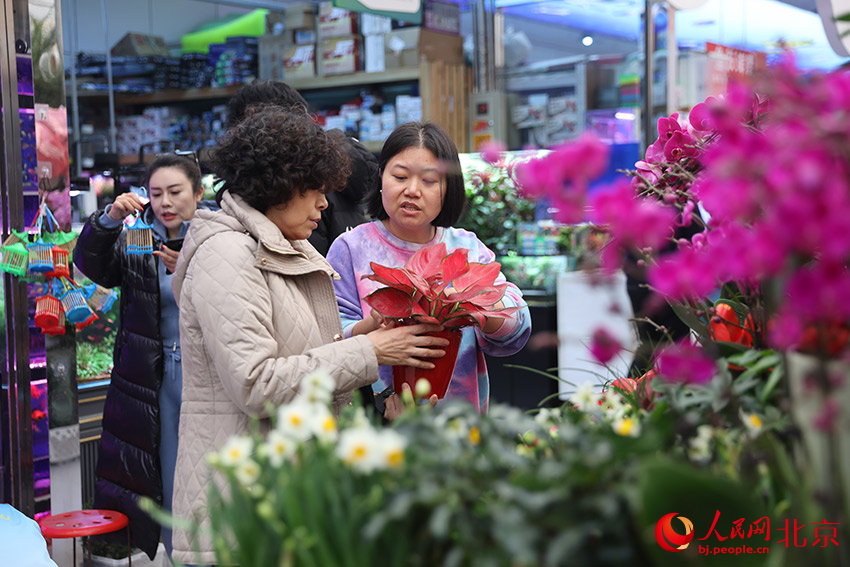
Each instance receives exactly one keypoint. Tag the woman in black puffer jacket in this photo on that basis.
(138, 446)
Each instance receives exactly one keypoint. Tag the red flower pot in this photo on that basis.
(440, 375)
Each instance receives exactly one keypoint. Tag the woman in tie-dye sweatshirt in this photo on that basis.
(421, 196)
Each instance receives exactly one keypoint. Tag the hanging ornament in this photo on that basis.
(139, 237)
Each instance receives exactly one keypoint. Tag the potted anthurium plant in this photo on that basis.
(443, 288)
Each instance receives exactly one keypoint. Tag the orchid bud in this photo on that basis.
(423, 388)
(407, 396)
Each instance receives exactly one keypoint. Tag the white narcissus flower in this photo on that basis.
(236, 450)
(752, 422)
(390, 449)
(585, 398)
(627, 427)
(293, 419)
(279, 447)
(317, 387)
(699, 447)
(546, 415)
(323, 424)
(248, 472)
(358, 448)
(614, 407)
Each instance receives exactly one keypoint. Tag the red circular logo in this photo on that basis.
(668, 538)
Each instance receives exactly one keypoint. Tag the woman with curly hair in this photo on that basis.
(257, 304)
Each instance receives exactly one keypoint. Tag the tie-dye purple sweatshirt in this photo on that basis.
(350, 255)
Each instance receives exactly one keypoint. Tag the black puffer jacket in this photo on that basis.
(128, 464)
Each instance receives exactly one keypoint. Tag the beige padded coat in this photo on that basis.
(257, 313)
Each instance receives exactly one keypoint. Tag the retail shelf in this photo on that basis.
(208, 93)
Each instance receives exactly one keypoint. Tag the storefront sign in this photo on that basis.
(727, 62)
(836, 30)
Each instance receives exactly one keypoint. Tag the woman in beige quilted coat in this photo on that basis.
(257, 303)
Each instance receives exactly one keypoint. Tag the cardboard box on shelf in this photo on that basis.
(339, 55)
(371, 24)
(299, 16)
(299, 62)
(373, 53)
(335, 22)
(271, 49)
(140, 44)
(404, 47)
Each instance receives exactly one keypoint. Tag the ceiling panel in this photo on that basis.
(748, 24)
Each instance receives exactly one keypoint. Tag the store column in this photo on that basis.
(51, 130)
(16, 466)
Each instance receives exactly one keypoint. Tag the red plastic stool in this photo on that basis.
(85, 523)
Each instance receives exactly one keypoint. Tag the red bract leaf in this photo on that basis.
(483, 296)
(460, 321)
(455, 264)
(427, 262)
(422, 286)
(392, 303)
(397, 278)
(481, 315)
(483, 275)
(426, 319)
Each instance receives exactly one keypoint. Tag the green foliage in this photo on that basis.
(94, 360)
(96, 342)
(582, 485)
(494, 208)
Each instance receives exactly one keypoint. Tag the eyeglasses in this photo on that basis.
(184, 153)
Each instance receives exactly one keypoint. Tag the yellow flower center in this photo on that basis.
(755, 421)
(625, 427)
(329, 425)
(474, 435)
(395, 458)
(359, 453)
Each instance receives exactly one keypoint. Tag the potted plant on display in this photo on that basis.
(735, 440)
(496, 209)
(442, 288)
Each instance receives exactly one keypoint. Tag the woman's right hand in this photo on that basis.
(125, 204)
(407, 345)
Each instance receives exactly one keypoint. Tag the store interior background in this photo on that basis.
(581, 51)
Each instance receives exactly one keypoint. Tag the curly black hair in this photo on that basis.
(272, 92)
(273, 154)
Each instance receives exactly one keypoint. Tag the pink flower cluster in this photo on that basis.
(773, 172)
(777, 186)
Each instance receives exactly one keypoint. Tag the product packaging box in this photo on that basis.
(139, 44)
(373, 53)
(370, 24)
(339, 55)
(404, 47)
(271, 48)
(299, 62)
(442, 17)
(336, 22)
(299, 16)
